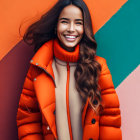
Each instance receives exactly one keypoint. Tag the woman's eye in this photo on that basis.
(79, 23)
(64, 22)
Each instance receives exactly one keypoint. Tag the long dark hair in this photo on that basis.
(88, 69)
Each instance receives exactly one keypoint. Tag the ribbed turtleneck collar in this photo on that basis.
(64, 55)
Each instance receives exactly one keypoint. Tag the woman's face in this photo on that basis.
(70, 26)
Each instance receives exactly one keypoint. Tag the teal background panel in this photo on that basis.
(118, 41)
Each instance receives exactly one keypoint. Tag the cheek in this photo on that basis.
(61, 29)
(81, 30)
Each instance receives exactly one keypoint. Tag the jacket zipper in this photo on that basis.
(67, 101)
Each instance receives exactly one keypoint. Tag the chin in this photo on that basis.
(71, 46)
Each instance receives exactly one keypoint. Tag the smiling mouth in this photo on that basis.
(70, 38)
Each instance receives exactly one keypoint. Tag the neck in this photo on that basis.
(69, 49)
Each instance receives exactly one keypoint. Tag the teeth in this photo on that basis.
(70, 36)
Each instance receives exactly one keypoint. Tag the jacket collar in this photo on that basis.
(44, 54)
(43, 57)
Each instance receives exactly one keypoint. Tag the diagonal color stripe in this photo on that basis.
(118, 41)
(13, 69)
(15, 13)
(129, 96)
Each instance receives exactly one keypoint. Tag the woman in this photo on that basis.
(68, 93)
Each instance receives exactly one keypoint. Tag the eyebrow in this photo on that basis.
(68, 19)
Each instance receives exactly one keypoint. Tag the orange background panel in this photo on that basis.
(24, 12)
(15, 13)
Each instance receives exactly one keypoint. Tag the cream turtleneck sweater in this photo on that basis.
(64, 65)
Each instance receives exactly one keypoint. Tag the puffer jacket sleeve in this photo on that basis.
(28, 114)
(110, 119)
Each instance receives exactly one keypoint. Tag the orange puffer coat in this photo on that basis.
(36, 112)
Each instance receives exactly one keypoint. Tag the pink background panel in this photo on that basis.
(129, 97)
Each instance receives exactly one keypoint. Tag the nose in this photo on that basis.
(71, 27)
